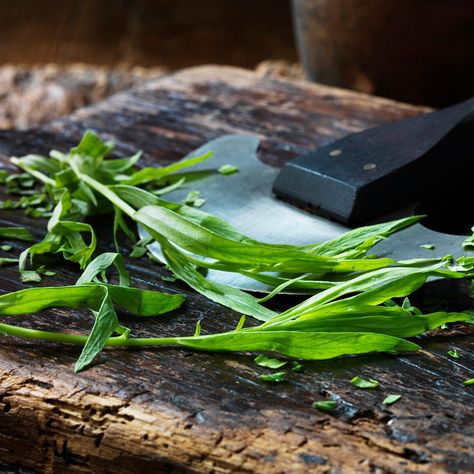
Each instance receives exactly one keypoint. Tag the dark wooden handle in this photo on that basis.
(368, 174)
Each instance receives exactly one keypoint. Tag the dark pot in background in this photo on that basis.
(419, 51)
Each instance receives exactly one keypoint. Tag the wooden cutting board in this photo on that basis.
(169, 410)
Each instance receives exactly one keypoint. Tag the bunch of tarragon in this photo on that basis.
(355, 302)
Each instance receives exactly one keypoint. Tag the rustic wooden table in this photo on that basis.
(177, 411)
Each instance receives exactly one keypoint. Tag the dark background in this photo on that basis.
(171, 33)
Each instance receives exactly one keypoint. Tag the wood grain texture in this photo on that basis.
(169, 410)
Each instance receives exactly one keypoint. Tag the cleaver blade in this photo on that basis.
(245, 200)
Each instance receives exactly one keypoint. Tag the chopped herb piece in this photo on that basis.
(391, 399)
(468, 244)
(275, 377)
(468, 382)
(30, 276)
(7, 261)
(199, 202)
(197, 331)
(241, 323)
(453, 353)
(168, 278)
(428, 246)
(193, 199)
(42, 270)
(265, 361)
(296, 366)
(16, 233)
(6, 248)
(364, 383)
(325, 405)
(228, 169)
(138, 251)
(444, 326)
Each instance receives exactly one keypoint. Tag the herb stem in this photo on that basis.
(117, 341)
(105, 191)
(35, 173)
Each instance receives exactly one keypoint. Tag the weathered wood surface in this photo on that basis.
(170, 410)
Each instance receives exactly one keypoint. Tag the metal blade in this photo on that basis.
(245, 200)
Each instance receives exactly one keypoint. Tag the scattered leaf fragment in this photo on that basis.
(138, 251)
(193, 199)
(170, 279)
(453, 353)
(275, 377)
(325, 405)
(197, 331)
(469, 242)
(17, 233)
(7, 261)
(30, 276)
(468, 382)
(42, 270)
(427, 246)
(6, 248)
(296, 366)
(269, 362)
(391, 399)
(228, 169)
(364, 383)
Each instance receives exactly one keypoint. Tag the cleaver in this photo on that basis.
(413, 161)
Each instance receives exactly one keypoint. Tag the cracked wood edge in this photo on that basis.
(77, 431)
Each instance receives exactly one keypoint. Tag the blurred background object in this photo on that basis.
(148, 33)
(56, 56)
(32, 95)
(121, 43)
(419, 51)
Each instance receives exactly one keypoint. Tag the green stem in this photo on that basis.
(105, 191)
(117, 341)
(37, 174)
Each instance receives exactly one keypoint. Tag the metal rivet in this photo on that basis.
(370, 166)
(335, 153)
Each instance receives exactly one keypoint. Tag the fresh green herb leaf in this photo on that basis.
(391, 399)
(296, 366)
(468, 244)
(197, 331)
(102, 263)
(170, 279)
(138, 251)
(228, 169)
(453, 353)
(30, 276)
(6, 248)
(364, 383)
(276, 377)
(146, 175)
(106, 323)
(241, 323)
(16, 233)
(427, 246)
(42, 270)
(193, 199)
(468, 382)
(325, 405)
(7, 261)
(269, 362)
